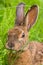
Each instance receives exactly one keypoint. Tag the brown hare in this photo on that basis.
(18, 38)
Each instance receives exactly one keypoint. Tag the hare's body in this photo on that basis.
(24, 58)
(18, 36)
(33, 55)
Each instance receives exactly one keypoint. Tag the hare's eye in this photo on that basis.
(23, 35)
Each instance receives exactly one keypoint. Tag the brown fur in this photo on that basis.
(18, 36)
(33, 55)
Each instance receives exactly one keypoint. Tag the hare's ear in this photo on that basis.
(31, 16)
(19, 14)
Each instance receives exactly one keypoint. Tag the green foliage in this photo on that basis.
(7, 17)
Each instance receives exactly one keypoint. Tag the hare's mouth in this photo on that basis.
(15, 47)
(9, 48)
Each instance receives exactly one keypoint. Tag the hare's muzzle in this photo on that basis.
(10, 45)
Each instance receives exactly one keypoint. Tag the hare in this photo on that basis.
(18, 37)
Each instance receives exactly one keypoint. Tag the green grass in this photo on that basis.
(7, 19)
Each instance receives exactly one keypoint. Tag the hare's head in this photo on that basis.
(18, 36)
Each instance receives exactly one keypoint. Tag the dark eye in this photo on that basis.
(23, 35)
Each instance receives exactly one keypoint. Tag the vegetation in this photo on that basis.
(7, 19)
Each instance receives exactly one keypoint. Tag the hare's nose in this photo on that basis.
(11, 45)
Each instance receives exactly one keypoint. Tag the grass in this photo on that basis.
(7, 19)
